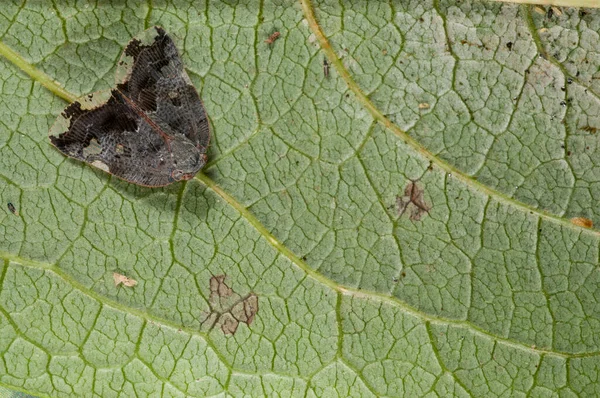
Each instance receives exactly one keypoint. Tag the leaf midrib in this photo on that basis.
(54, 87)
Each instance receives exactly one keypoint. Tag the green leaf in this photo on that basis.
(400, 227)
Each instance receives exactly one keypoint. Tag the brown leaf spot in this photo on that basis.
(590, 129)
(412, 202)
(227, 308)
(582, 222)
(122, 279)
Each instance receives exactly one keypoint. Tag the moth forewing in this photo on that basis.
(88, 101)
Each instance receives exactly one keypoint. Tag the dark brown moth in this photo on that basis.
(151, 129)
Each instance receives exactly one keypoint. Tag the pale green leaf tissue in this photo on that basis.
(404, 223)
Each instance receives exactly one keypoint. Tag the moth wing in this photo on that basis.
(151, 73)
(103, 130)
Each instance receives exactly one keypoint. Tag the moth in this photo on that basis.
(151, 129)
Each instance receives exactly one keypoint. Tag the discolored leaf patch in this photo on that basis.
(227, 308)
(412, 202)
(582, 222)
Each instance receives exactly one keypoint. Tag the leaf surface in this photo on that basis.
(398, 227)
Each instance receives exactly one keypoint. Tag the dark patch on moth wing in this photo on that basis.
(151, 64)
(413, 202)
(159, 85)
(100, 125)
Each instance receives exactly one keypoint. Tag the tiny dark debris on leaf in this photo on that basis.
(272, 38)
(13, 209)
(122, 279)
(227, 308)
(590, 129)
(325, 68)
(412, 201)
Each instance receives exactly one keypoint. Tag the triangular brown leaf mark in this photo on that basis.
(122, 279)
(227, 308)
(412, 201)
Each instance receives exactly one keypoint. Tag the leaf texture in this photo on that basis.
(398, 226)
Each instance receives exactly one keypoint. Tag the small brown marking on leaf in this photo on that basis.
(272, 38)
(582, 222)
(218, 288)
(590, 129)
(122, 279)
(423, 105)
(539, 10)
(412, 201)
(228, 308)
(557, 11)
(228, 323)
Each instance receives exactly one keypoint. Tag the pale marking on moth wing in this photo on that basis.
(101, 165)
(93, 148)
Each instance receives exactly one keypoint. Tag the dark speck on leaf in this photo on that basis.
(12, 209)
(563, 103)
(509, 45)
(569, 80)
(563, 88)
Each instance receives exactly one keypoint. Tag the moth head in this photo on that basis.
(187, 159)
